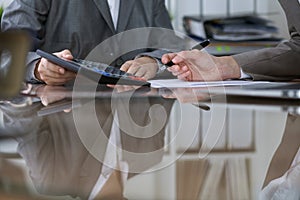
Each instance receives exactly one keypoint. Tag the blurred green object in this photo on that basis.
(1, 11)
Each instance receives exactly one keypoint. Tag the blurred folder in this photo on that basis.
(232, 35)
(238, 28)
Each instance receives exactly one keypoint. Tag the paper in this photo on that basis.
(176, 83)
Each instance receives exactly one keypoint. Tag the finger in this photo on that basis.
(184, 68)
(54, 78)
(138, 78)
(126, 66)
(167, 57)
(44, 101)
(68, 110)
(148, 75)
(141, 72)
(167, 96)
(133, 69)
(69, 75)
(178, 59)
(110, 86)
(49, 66)
(119, 88)
(65, 54)
(184, 76)
(128, 88)
(176, 73)
(174, 68)
(46, 75)
(55, 81)
(122, 88)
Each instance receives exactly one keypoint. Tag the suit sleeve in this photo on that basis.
(163, 37)
(161, 16)
(279, 63)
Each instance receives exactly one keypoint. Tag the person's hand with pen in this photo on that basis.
(197, 65)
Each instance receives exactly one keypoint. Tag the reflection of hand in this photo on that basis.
(187, 95)
(198, 65)
(50, 94)
(145, 91)
(144, 67)
(124, 88)
(53, 74)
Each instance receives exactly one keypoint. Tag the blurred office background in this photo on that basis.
(268, 9)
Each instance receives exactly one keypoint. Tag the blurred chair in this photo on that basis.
(13, 50)
(14, 46)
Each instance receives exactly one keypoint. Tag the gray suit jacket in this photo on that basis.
(281, 62)
(79, 25)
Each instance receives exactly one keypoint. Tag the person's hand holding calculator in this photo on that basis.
(54, 67)
(53, 74)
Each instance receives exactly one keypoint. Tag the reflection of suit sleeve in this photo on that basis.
(281, 62)
(57, 161)
(286, 186)
(143, 135)
(283, 177)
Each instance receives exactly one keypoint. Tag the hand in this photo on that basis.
(53, 74)
(144, 67)
(198, 65)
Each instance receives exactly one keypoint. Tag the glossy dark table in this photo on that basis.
(146, 143)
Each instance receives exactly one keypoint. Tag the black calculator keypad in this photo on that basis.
(100, 67)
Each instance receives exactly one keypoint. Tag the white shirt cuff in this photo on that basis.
(244, 75)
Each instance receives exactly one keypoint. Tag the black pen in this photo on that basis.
(198, 46)
(201, 45)
(201, 106)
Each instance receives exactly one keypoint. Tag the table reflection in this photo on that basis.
(90, 148)
(283, 177)
(61, 162)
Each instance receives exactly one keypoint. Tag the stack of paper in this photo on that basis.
(175, 83)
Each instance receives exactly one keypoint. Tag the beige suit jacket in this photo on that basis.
(281, 62)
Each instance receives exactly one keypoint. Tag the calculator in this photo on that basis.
(99, 72)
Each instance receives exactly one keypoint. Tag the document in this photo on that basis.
(176, 83)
